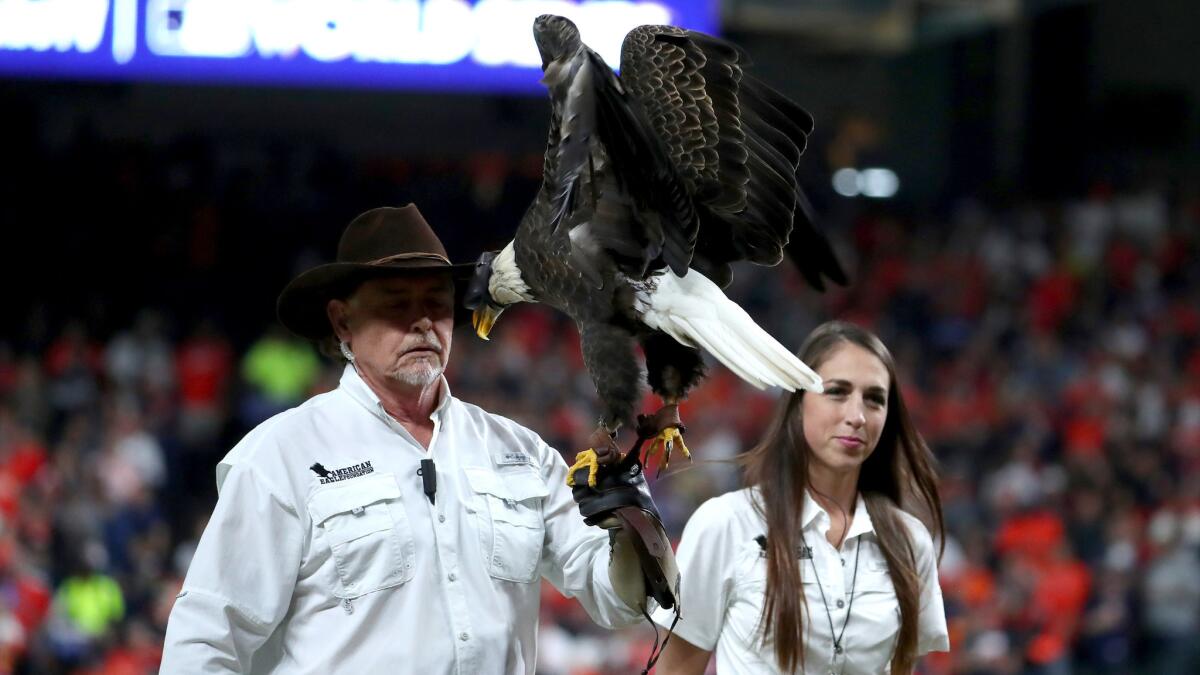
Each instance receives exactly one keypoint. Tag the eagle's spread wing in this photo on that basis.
(736, 143)
(608, 178)
(684, 161)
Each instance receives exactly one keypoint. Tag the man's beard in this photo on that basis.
(419, 375)
(427, 370)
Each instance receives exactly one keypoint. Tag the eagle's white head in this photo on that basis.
(497, 283)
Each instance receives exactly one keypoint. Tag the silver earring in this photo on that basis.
(349, 355)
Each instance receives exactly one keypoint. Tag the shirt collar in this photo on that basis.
(814, 515)
(353, 384)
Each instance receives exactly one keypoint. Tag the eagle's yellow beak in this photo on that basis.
(484, 318)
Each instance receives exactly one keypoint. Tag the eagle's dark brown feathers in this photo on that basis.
(683, 162)
(735, 142)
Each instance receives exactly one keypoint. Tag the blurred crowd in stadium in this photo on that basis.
(1051, 353)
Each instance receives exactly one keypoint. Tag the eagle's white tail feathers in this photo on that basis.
(694, 311)
(741, 364)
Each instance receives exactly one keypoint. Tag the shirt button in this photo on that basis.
(843, 562)
(841, 604)
(464, 637)
(441, 519)
(451, 576)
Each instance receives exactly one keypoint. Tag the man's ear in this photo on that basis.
(338, 313)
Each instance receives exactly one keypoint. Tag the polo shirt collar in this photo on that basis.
(814, 515)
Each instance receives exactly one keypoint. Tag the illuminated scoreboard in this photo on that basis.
(404, 44)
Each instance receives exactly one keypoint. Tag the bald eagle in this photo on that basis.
(653, 183)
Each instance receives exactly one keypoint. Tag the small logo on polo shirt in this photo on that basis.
(512, 458)
(802, 551)
(345, 473)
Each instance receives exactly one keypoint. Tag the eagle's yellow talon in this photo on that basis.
(682, 446)
(585, 458)
(666, 440)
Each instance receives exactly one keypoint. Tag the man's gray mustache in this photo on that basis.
(430, 342)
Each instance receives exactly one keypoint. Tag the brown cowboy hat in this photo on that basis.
(382, 242)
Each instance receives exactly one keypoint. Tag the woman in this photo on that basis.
(818, 566)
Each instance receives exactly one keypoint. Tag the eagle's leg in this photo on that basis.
(672, 370)
(611, 361)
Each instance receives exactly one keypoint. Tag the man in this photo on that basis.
(387, 526)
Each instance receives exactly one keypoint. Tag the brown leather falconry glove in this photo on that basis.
(643, 562)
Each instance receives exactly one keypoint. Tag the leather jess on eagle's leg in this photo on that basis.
(672, 370)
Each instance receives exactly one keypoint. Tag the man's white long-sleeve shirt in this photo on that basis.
(325, 555)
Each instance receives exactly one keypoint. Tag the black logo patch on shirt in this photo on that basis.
(803, 552)
(345, 473)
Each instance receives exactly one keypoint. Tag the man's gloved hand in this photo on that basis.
(621, 483)
(621, 504)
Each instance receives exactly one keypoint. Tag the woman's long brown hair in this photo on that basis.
(899, 474)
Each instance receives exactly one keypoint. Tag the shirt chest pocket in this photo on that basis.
(363, 522)
(744, 612)
(512, 530)
(875, 596)
(875, 581)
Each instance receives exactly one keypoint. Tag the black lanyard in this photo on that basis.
(837, 642)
